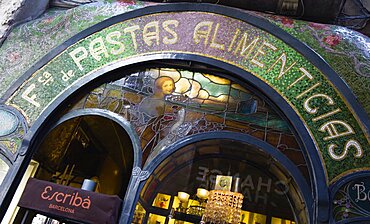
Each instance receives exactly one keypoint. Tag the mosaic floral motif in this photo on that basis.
(12, 143)
(346, 51)
(285, 21)
(12, 130)
(319, 26)
(332, 40)
(29, 42)
(165, 105)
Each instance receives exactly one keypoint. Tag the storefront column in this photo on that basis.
(132, 194)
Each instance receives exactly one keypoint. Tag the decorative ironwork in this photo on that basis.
(141, 175)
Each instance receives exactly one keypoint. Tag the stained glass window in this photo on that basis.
(167, 104)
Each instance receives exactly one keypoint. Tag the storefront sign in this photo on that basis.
(342, 142)
(359, 192)
(70, 203)
(352, 200)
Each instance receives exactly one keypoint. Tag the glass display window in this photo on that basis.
(267, 192)
(139, 214)
(162, 201)
(275, 220)
(156, 219)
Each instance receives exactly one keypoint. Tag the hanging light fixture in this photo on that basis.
(223, 206)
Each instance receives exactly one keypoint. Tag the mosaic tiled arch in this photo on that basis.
(283, 54)
(335, 126)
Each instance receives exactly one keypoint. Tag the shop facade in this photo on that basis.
(160, 99)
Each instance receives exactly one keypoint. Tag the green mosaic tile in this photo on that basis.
(293, 84)
(345, 50)
(29, 42)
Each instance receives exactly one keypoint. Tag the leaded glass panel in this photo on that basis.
(167, 104)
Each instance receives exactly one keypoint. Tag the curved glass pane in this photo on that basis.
(269, 191)
(3, 170)
(87, 147)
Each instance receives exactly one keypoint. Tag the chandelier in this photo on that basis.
(223, 207)
(218, 206)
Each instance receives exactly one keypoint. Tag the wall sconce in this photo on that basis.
(183, 197)
(202, 194)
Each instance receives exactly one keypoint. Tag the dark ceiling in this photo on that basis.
(84, 141)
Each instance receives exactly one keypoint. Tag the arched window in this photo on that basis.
(161, 105)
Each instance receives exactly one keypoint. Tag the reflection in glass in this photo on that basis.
(267, 189)
(250, 217)
(87, 147)
(162, 201)
(275, 220)
(139, 214)
(156, 219)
